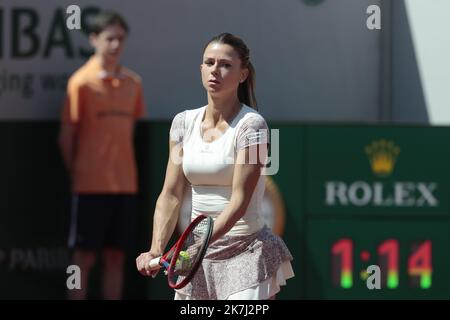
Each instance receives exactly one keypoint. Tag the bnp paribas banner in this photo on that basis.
(43, 42)
(365, 170)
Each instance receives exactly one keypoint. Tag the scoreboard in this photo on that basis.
(377, 210)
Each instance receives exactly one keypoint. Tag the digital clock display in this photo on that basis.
(412, 257)
(419, 263)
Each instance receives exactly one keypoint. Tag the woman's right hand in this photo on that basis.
(143, 263)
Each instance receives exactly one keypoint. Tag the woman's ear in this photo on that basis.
(244, 75)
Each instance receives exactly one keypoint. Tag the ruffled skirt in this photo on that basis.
(249, 267)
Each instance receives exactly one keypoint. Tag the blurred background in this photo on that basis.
(358, 89)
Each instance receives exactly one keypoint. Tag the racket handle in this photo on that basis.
(154, 264)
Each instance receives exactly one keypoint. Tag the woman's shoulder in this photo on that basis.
(183, 123)
(251, 117)
(187, 114)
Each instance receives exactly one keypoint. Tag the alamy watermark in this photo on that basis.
(73, 21)
(374, 279)
(373, 22)
(74, 279)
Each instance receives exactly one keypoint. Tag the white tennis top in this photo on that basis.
(208, 166)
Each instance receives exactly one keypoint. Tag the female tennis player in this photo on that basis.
(220, 150)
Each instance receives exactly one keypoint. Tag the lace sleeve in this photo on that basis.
(253, 131)
(177, 128)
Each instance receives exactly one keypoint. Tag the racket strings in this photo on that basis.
(191, 251)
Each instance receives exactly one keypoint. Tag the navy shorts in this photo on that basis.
(103, 220)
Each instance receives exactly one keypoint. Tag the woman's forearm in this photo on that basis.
(164, 221)
(229, 216)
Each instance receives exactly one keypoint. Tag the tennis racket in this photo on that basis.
(182, 261)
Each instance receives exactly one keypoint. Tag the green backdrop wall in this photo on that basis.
(376, 194)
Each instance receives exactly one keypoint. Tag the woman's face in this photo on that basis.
(221, 70)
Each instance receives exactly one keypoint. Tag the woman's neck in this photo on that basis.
(219, 109)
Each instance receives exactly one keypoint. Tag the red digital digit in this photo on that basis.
(342, 263)
(420, 265)
(388, 252)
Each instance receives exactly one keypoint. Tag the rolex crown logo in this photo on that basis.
(382, 155)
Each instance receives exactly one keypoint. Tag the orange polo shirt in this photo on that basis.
(103, 108)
